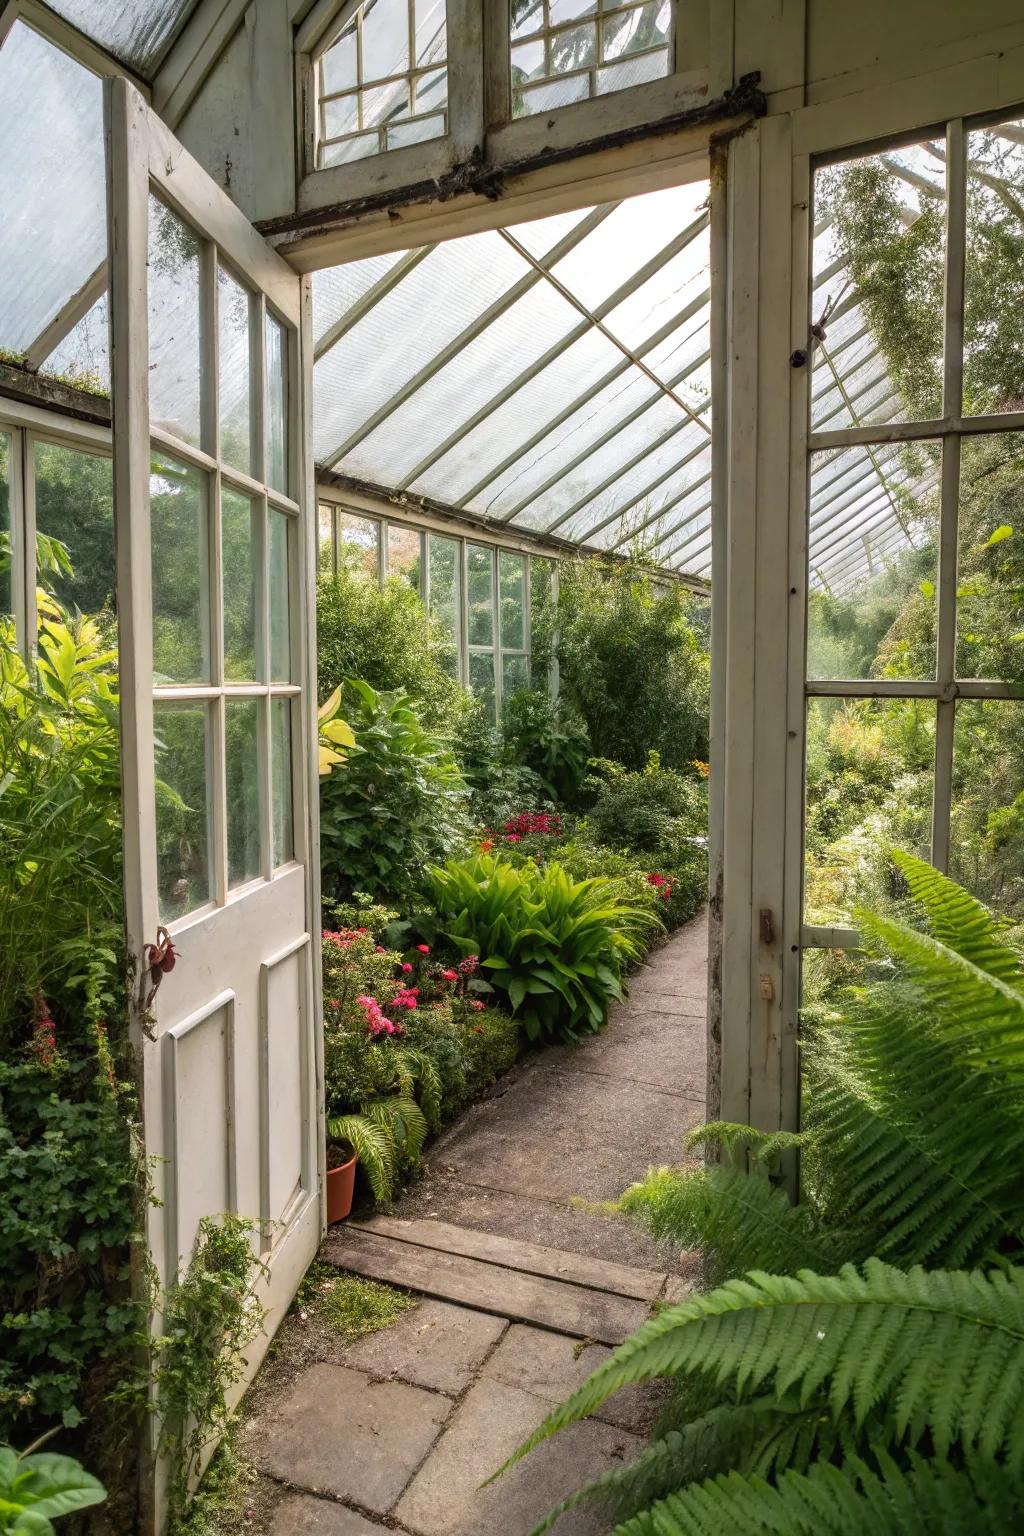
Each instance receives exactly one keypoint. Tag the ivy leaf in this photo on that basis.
(1004, 531)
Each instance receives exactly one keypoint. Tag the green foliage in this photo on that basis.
(549, 737)
(498, 786)
(60, 822)
(385, 636)
(654, 811)
(632, 662)
(396, 803)
(557, 948)
(219, 1505)
(36, 1489)
(873, 1380)
(388, 1132)
(210, 1319)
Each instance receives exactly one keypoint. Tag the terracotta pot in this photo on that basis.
(341, 1183)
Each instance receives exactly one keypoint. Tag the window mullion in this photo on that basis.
(21, 492)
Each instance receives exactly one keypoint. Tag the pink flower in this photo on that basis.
(406, 969)
(513, 837)
(333, 1003)
(450, 975)
(476, 1005)
(379, 949)
(424, 949)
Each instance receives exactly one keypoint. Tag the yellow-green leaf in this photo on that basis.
(1002, 532)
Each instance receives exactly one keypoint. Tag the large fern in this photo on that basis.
(889, 1396)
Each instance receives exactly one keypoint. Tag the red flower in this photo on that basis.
(450, 975)
(513, 837)
(424, 949)
(406, 969)
(476, 1005)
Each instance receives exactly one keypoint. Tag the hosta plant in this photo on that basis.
(859, 1364)
(556, 947)
(37, 1488)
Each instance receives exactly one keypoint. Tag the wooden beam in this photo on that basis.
(49, 395)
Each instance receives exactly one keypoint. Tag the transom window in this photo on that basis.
(224, 546)
(915, 658)
(570, 50)
(383, 82)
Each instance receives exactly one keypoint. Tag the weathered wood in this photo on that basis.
(573, 1309)
(79, 404)
(528, 1258)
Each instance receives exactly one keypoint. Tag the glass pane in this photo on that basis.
(281, 780)
(277, 406)
(632, 69)
(416, 130)
(480, 596)
(873, 562)
(994, 275)
(174, 325)
(385, 103)
(515, 674)
(280, 603)
(181, 572)
(346, 150)
(183, 838)
(634, 31)
(573, 49)
(341, 116)
(986, 852)
(235, 380)
(404, 554)
(385, 38)
(340, 63)
(325, 534)
(990, 560)
(542, 594)
(5, 523)
(241, 755)
(481, 679)
(869, 783)
(444, 557)
(879, 255)
(512, 585)
(358, 539)
(75, 508)
(528, 17)
(431, 31)
(239, 558)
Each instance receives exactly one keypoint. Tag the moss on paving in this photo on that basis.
(350, 1306)
(221, 1505)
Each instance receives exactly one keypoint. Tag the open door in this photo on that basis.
(212, 490)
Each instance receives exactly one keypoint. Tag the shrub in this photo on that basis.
(385, 635)
(548, 736)
(497, 785)
(557, 948)
(394, 803)
(632, 662)
(877, 1373)
(674, 892)
(649, 812)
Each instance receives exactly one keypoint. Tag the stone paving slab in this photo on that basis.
(436, 1345)
(551, 1366)
(643, 1050)
(340, 1433)
(300, 1514)
(446, 1499)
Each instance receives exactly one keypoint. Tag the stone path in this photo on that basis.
(399, 1430)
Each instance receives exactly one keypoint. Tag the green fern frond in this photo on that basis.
(403, 1119)
(750, 1437)
(740, 1219)
(374, 1145)
(763, 1146)
(940, 1350)
(926, 1498)
(958, 920)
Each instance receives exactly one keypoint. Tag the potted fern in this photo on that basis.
(379, 1137)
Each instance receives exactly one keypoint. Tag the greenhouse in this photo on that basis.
(511, 767)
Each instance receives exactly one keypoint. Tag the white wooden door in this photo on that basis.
(214, 549)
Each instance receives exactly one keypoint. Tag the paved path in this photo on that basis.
(399, 1430)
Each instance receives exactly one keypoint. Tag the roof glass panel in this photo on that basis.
(136, 31)
(53, 234)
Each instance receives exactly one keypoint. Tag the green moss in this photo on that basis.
(350, 1306)
(222, 1498)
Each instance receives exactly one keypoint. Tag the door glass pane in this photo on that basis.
(994, 276)
(75, 526)
(986, 845)
(5, 524)
(184, 864)
(174, 325)
(480, 594)
(277, 406)
(869, 783)
(358, 541)
(325, 534)
(404, 554)
(873, 562)
(235, 374)
(280, 609)
(990, 558)
(281, 780)
(239, 547)
(241, 731)
(879, 255)
(515, 674)
(445, 588)
(512, 582)
(181, 572)
(481, 679)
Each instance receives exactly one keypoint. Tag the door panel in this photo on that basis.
(218, 715)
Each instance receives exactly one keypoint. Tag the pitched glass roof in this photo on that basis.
(138, 32)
